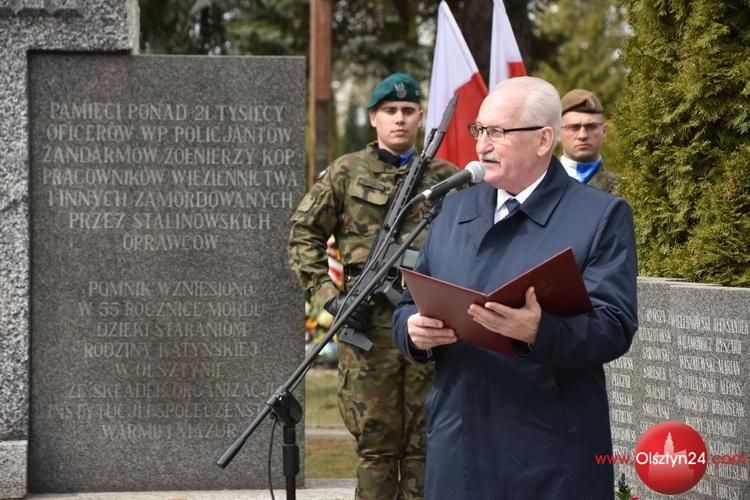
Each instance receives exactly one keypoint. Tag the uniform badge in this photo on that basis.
(400, 89)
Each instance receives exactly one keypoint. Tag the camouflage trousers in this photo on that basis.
(381, 400)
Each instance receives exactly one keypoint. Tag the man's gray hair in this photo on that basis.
(542, 106)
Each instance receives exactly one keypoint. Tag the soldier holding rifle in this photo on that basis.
(381, 395)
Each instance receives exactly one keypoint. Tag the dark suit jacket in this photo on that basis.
(527, 427)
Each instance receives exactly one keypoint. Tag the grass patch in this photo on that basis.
(330, 458)
(321, 408)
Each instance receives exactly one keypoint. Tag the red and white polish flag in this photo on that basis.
(505, 58)
(454, 72)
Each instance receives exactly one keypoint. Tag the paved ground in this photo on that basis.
(316, 489)
(326, 432)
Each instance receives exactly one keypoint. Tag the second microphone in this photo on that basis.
(471, 174)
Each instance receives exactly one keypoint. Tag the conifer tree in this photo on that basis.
(587, 36)
(684, 137)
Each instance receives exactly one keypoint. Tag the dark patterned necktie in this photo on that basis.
(512, 205)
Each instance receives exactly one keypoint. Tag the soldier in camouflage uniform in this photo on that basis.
(581, 136)
(381, 395)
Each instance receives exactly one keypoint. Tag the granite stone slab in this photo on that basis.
(163, 311)
(686, 364)
(65, 25)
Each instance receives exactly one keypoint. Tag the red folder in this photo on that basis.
(557, 282)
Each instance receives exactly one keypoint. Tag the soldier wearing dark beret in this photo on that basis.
(381, 395)
(583, 132)
(397, 87)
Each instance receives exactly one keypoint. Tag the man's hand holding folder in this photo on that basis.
(448, 312)
(516, 323)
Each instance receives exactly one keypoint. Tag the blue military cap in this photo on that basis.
(395, 87)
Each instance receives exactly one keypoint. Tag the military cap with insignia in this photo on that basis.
(583, 101)
(395, 87)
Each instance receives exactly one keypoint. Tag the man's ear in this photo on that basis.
(371, 114)
(546, 141)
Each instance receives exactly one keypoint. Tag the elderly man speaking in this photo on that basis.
(528, 425)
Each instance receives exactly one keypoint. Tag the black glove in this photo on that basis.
(359, 319)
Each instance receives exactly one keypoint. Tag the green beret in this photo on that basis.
(396, 87)
(583, 101)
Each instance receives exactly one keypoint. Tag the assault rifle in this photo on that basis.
(386, 241)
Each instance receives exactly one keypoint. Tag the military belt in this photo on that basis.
(408, 260)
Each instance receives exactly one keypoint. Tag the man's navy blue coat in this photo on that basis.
(527, 427)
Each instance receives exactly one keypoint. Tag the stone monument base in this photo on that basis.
(13, 468)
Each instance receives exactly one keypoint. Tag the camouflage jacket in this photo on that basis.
(604, 180)
(349, 202)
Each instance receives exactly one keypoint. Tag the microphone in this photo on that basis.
(471, 174)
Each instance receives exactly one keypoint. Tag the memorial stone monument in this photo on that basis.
(160, 314)
(163, 312)
(25, 25)
(687, 363)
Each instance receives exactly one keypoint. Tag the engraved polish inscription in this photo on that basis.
(156, 175)
(164, 312)
(165, 351)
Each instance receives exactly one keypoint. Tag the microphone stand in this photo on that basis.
(283, 405)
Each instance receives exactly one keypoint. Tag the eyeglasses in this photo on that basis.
(575, 127)
(496, 133)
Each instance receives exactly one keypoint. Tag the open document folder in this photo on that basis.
(557, 282)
